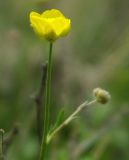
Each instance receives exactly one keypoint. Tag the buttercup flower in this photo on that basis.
(50, 25)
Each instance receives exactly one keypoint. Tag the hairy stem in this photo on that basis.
(47, 106)
(69, 119)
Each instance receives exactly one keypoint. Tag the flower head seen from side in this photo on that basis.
(51, 24)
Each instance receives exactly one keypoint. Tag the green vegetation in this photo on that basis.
(95, 54)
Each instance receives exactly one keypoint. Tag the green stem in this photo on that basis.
(47, 106)
(70, 118)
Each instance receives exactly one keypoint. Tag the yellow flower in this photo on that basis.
(51, 24)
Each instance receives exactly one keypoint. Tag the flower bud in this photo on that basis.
(102, 96)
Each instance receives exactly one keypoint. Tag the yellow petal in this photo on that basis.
(53, 13)
(40, 26)
(66, 28)
(43, 28)
(34, 14)
(61, 26)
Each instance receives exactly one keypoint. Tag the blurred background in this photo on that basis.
(94, 54)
